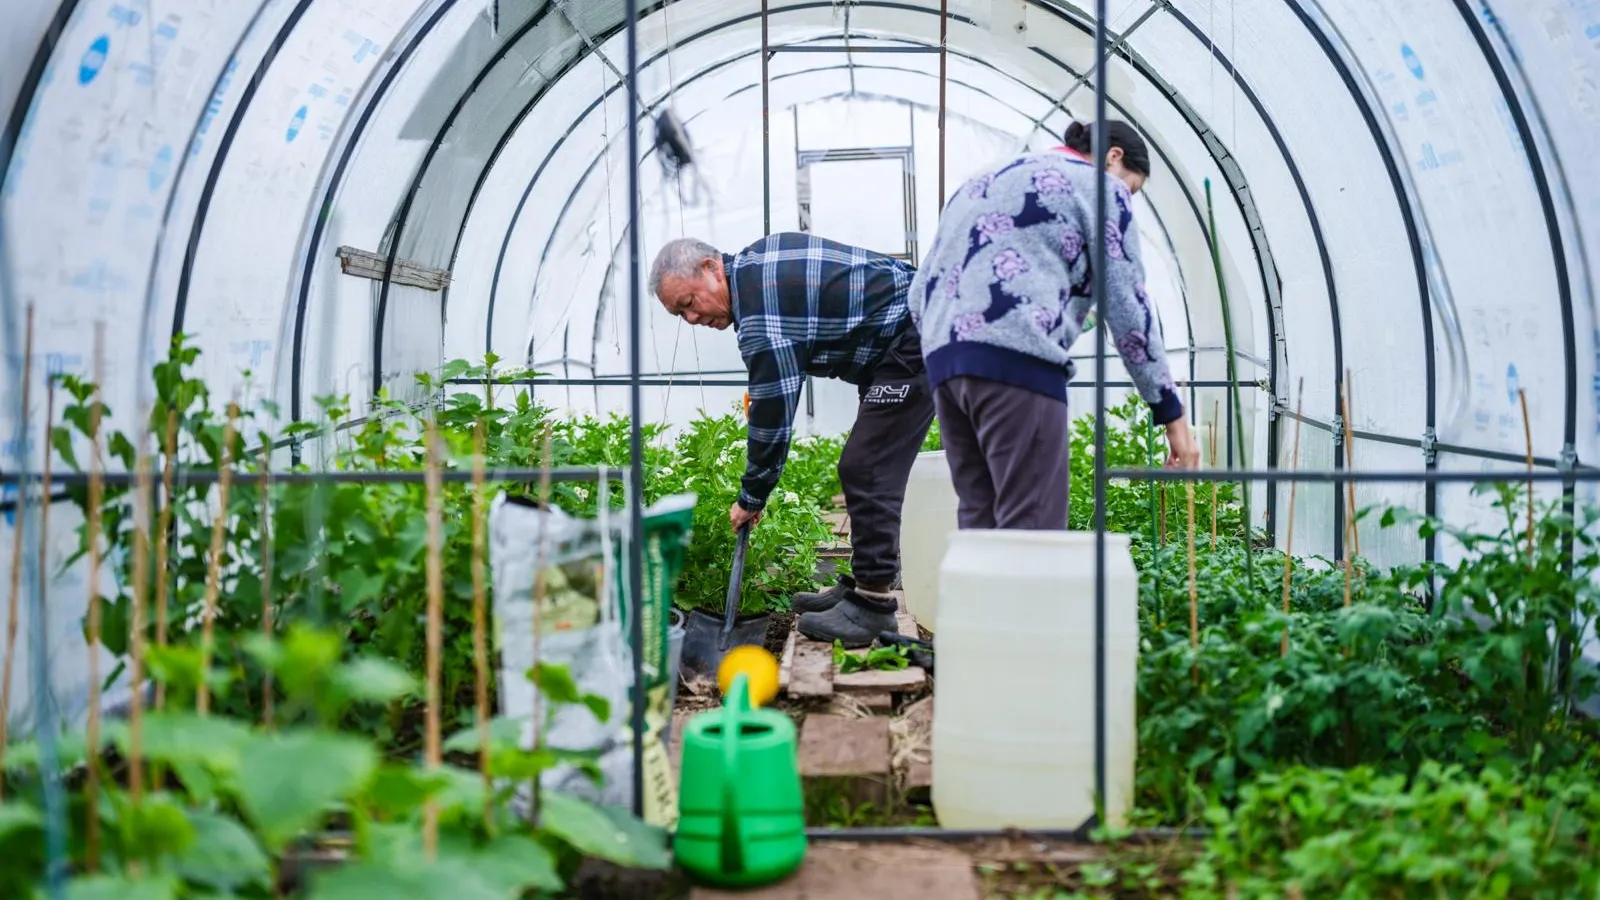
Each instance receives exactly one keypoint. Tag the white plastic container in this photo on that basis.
(1013, 722)
(926, 520)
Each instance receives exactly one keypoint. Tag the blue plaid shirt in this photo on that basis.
(804, 305)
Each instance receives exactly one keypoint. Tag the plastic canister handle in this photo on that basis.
(738, 702)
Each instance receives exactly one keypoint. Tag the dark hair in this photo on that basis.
(1135, 152)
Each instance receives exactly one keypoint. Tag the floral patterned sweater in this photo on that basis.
(1007, 286)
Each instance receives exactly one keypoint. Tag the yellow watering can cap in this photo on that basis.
(758, 666)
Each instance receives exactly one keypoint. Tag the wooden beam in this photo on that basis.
(364, 264)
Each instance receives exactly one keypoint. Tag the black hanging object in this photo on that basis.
(672, 141)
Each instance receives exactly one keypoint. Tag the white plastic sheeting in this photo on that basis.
(1401, 190)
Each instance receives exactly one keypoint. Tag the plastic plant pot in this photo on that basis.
(702, 640)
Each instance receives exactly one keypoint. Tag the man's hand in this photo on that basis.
(1185, 453)
(739, 517)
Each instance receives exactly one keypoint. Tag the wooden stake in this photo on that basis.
(435, 573)
(1352, 542)
(1194, 591)
(266, 578)
(1288, 547)
(538, 601)
(1350, 463)
(219, 532)
(91, 794)
(138, 624)
(1215, 412)
(1527, 434)
(480, 649)
(15, 599)
(163, 526)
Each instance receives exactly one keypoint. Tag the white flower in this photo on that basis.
(1274, 703)
(791, 497)
(581, 491)
(666, 471)
(722, 458)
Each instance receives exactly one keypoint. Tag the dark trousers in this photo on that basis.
(891, 424)
(1007, 450)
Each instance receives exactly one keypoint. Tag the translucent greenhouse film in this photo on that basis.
(1371, 235)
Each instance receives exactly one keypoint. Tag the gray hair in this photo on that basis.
(681, 257)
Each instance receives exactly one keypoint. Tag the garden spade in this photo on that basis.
(735, 589)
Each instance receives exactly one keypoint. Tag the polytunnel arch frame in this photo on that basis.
(1530, 149)
(1256, 235)
(1220, 155)
(596, 160)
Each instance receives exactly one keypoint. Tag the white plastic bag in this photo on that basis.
(579, 629)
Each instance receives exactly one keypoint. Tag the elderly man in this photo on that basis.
(803, 306)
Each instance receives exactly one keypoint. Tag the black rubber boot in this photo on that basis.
(817, 601)
(854, 623)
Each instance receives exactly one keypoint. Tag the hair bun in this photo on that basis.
(1075, 131)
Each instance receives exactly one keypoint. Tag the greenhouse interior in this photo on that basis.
(378, 522)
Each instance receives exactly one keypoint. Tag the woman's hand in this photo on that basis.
(1185, 453)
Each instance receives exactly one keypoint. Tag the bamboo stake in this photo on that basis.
(538, 601)
(219, 532)
(435, 573)
(480, 650)
(163, 525)
(1527, 434)
(1216, 411)
(91, 794)
(15, 597)
(266, 578)
(138, 624)
(1194, 592)
(1288, 547)
(1350, 463)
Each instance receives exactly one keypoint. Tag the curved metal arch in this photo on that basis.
(331, 190)
(595, 162)
(403, 216)
(1408, 214)
(737, 20)
(30, 87)
(1328, 279)
(1547, 205)
(224, 144)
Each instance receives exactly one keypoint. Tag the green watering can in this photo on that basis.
(741, 814)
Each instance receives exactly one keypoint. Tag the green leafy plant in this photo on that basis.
(240, 799)
(877, 658)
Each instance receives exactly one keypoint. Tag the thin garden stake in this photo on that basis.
(435, 573)
(1194, 591)
(1233, 378)
(266, 578)
(542, 553)
(1527, 434)
(1352, 547)
(15, 598)
(1288, 545)
(138, 625)
(91, 793)
(1350, 463)
(219, 533)
(480, 652)
(1215, 412)
(163, 525)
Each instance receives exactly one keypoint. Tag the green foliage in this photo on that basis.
(1443, 833)
(240, 797)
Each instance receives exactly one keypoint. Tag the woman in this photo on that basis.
(1000, 300)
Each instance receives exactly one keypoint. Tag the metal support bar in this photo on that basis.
(766, 123)
(823, 48)
(209, 476)
(1343, 476)
(944, 80)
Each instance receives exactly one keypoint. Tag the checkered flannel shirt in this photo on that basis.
(804, 305)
